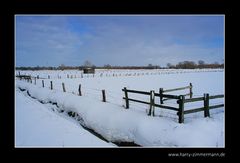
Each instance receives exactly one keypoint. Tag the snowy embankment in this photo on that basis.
(117, 124)
(37, 126)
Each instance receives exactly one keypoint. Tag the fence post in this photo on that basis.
(104, 95)
(63, 86)
(79, 90)
(43, 83)
(126, 97)
(38, 77)
(48, 76)
(35, 80)
(51, 85)
(151, 110)
(206, 105)
(161, 93)
(191, 93)
(67, 76)
(181, 109)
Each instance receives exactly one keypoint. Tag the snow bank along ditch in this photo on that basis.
(127, 127)
(76, 116)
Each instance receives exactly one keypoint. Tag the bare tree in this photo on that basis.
(62, 67)
(201, 64)
(186, 65)
(107, 66)
(87, 63)
(169, 65)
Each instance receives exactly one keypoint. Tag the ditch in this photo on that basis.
(80, 120)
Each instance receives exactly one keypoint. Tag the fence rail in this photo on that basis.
(194, 110)
(193, 99)
(216, 106)
(216, 96)
(139, 92)
(157, 105)
(177, 89)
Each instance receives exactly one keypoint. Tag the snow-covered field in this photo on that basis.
(111, 119)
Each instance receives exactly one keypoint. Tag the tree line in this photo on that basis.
(87, 64)
(193, 65)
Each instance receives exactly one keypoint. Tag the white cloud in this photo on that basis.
(46, 40)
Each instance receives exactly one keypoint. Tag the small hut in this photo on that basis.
(89, 70)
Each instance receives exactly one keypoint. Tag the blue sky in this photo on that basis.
(117, 40)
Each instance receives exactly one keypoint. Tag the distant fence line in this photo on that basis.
(122, 74)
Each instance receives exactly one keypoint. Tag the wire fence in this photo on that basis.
(101, 73)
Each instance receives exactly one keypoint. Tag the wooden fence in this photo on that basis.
(206, 98)
(180, 100)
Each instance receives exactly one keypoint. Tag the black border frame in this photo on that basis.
(102, 7)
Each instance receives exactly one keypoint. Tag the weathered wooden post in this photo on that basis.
(63, 86)
(43, 83)
(206, 105)
(38, 77)
(161, 95)
(104, 95)
(48, 76)
(79, 90)
(152, 108)
(190, 89)
(51, 85)
(181, 109)
(126, 97)
(35, 80)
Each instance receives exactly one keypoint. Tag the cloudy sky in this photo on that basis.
(117, 40)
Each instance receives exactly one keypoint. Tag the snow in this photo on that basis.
(115, 123)
(37, 126)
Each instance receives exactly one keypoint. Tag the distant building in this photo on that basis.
(89, 70)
